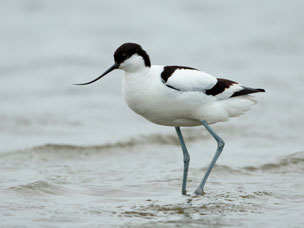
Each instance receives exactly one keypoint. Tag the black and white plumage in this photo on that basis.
(173, 77)
(179, 96)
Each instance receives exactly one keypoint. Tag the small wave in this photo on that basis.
(38, 188)
(190, 135)
(289, 163)
(224, 170)
(65, 150)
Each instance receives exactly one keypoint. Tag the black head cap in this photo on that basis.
(126, 50)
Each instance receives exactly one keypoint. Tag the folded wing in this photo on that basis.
(187, 79)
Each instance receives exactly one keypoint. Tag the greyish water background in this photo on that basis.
(78, 157)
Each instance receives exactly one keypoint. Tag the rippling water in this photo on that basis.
(78, 157)
(137, 183)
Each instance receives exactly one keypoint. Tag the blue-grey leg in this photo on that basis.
(220, 146)
(186, 159)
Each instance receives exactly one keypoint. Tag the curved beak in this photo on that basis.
(115, 66)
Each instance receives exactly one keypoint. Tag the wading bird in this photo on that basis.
(179, 96)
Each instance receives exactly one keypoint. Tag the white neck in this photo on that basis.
(134, 64)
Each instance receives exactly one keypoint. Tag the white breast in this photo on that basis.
(139, 90)
(149, 97)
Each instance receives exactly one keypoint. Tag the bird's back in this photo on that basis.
(182, 96)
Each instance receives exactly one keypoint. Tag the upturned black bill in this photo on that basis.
(115, 66)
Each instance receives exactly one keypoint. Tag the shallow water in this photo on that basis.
(138, 184)
(78, 157)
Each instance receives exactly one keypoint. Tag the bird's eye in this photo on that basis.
(124, 55)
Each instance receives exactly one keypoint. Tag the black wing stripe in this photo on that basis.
(172, 87)
(246, 91)
(169, 70)
(220, 86)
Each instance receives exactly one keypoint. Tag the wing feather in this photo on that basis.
(189, 79)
